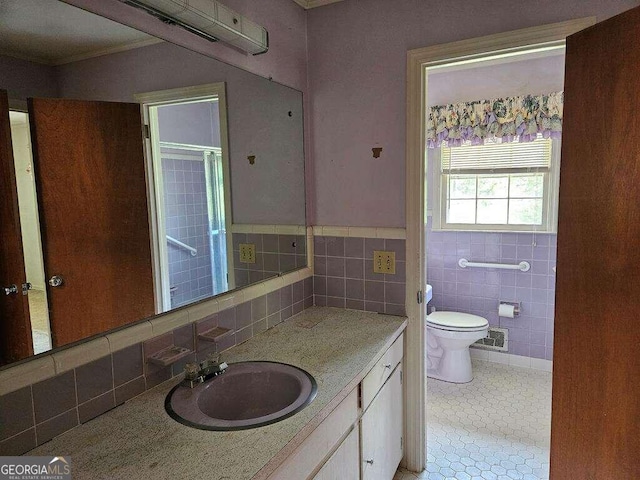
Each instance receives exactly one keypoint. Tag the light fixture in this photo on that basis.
(209, 19)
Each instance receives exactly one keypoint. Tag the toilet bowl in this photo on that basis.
(449, 335)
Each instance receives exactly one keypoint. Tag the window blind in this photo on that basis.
(497, 156)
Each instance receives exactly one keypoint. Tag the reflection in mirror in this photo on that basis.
(140, 177)
(192, 188)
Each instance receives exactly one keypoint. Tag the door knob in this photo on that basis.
(11, 289)
(56, 281)
(370, 462)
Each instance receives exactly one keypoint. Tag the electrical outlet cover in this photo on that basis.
(247, 253)
(384, 262)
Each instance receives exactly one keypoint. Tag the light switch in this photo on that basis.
(384, 262)
(247, 253)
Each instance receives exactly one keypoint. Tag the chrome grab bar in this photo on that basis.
(182, 245)
(522, 266)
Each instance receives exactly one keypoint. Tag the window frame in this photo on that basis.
(550, 197)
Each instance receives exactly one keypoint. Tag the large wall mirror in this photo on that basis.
(137, 177)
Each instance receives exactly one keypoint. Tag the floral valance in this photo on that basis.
(521, 118)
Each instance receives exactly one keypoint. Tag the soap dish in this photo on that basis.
(169, 356)
(214, 335)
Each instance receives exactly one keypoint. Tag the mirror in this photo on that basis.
(147, 176)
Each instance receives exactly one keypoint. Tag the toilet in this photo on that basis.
(449, 335)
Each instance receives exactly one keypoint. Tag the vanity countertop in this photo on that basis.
(139, 439)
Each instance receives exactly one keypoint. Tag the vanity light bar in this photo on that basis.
(209, 19)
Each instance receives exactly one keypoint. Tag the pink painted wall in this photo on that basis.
(23, 79)
(357, 78)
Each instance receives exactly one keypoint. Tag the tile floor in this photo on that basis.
(494, 428)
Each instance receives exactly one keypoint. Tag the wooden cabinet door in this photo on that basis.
(344, 464)
(595, 422)
(15, 326)
(92, 196)
(381, 429)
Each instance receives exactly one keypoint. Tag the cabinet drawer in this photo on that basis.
(306, 458)
(379, 374)
(345, 462)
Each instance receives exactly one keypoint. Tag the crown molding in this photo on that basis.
(307, 4)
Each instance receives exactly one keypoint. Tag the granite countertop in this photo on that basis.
(139, 439)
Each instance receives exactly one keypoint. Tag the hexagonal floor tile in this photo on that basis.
(494, 428)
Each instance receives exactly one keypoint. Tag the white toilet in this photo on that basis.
(449, 335)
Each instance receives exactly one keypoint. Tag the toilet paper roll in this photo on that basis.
(505, 310)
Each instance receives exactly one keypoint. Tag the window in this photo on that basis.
(497, 186)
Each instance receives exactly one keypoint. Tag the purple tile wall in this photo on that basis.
(479, 290)
(275, 255)
(344, 277)
(35, 414)
(187, 220)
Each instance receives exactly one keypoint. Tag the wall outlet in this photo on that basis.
(384, 262)
(247, 253)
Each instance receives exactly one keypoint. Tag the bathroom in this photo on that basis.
(523, 336)
(343, 68)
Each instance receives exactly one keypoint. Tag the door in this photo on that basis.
(15, 327)
(596, 394)
(381, 428)
(90, 177)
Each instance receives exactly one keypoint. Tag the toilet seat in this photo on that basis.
(456, 322)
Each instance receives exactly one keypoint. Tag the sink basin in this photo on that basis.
(246, 395)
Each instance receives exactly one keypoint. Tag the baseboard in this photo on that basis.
(510, 359)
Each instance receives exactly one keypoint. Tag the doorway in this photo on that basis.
(418, 63)
(30, 229)
(493, 200)
(192, 218)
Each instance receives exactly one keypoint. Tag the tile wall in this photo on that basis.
(343, 275)
(35, 414)
(187, 220)
(275, 254)
(479, 290)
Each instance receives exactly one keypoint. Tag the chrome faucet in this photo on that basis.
(196, 373)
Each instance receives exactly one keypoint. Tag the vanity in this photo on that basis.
(353, 428)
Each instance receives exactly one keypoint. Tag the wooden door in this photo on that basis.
(381, 429)
(90, 178)
(595, 426)
(15, 326)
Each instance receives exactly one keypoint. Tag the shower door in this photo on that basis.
(194, 222)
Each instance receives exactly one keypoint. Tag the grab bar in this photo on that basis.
(522, 266)
(178, 243)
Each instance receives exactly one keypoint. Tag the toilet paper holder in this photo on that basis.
(515, 305)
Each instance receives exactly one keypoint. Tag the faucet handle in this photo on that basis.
(214, 358)
(191, 371)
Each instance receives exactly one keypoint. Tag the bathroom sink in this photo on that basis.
(246, 395)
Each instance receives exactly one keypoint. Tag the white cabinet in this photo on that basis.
(344, 464)
(306, 458)
(381, 430)
(369, 419)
